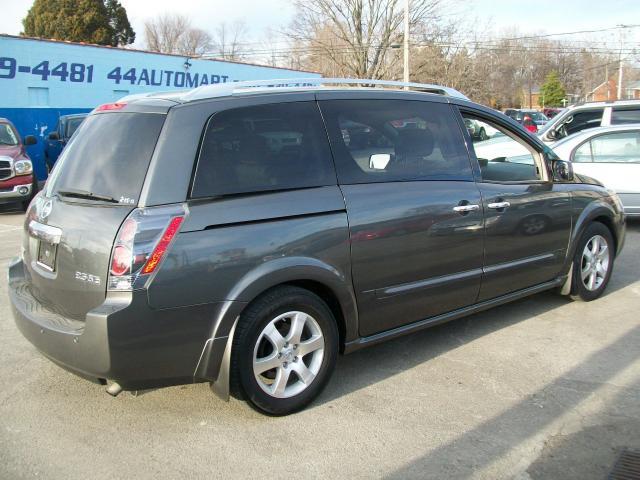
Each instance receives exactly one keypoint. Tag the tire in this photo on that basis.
(591, 273)
(269, 321)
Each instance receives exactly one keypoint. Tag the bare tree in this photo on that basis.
(173, 33)
(227, 40)
(355, 37)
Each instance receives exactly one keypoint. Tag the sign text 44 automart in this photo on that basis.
(81, 73)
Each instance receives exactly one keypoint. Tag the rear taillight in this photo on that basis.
(142, 244)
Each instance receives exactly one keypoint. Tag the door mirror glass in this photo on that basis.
(54, 136)
(30, 140)
(562, 171)
(379, 161)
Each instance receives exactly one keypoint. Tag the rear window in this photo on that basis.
(72, 125)
(625, 115)
(109, 156)
(264, 148)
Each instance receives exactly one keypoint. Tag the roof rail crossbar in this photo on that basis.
(235, 88)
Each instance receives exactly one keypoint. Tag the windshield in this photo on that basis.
(73, 124)
(538, 117)
(108, 156)
(7, 135)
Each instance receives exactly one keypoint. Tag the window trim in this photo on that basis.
(203, 133)
(538, 155)
(590, 139)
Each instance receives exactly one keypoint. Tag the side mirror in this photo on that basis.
(553, 134)
(54, 136)
(562, 171)
(30, 140)
(379, 161)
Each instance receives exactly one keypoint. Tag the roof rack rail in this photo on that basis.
(236, 88)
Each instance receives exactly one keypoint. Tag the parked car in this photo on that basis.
(520, 115)
(17, 181)
(590, 115)
(479, 132)
(528, 123)
(610, 154)
(189, 251)
(537, 117)
(551, 112)
(57, 139)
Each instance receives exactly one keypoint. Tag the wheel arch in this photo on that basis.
(598, 211)
(326, 281)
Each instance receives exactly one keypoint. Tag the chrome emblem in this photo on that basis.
(45, 210)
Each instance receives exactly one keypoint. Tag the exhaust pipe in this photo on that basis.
(114, 389)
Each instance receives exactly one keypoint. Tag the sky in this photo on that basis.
(549, 16)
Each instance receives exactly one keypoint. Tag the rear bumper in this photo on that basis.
(123, 339)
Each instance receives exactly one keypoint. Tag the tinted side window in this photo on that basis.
(625, 115)
(262, 148)
(581, 120)
(395, 140)
(502, 157)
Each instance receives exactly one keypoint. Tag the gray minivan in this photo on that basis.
(245, 234)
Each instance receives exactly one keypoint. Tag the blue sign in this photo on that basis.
(40, 80)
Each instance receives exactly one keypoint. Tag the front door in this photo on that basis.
(527, 216)
(414, 211)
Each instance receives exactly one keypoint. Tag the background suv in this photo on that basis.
(590, 115)
(65, 128)
(244, 235)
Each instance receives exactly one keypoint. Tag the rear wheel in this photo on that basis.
(284, 351)
(592, 262)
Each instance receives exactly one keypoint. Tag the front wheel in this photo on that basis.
(593, 262)
(284, 350)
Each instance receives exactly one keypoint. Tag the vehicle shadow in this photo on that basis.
(598, 433)
(377, 363)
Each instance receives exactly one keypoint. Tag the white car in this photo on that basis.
(610, 155)
(579, 117)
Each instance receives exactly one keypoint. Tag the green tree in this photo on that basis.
(552, 92)
(122, 33)
(92, 21)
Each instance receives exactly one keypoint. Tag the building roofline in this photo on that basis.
(137, 50)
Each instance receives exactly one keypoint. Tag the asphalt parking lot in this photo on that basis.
(541, 388)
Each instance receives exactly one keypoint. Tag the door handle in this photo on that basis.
(499, 205)
(466, 208)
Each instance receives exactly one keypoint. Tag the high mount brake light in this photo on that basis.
(141, 244)
(111, 106)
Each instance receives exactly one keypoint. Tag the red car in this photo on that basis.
(529, 124)
(17, 181)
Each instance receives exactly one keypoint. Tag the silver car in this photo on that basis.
(590, 115)
(610, 155)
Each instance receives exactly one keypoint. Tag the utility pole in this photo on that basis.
(406, 41)
(622, 36)
(620, 79)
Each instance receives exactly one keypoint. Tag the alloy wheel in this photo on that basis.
(595, 262)
(288, 354)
